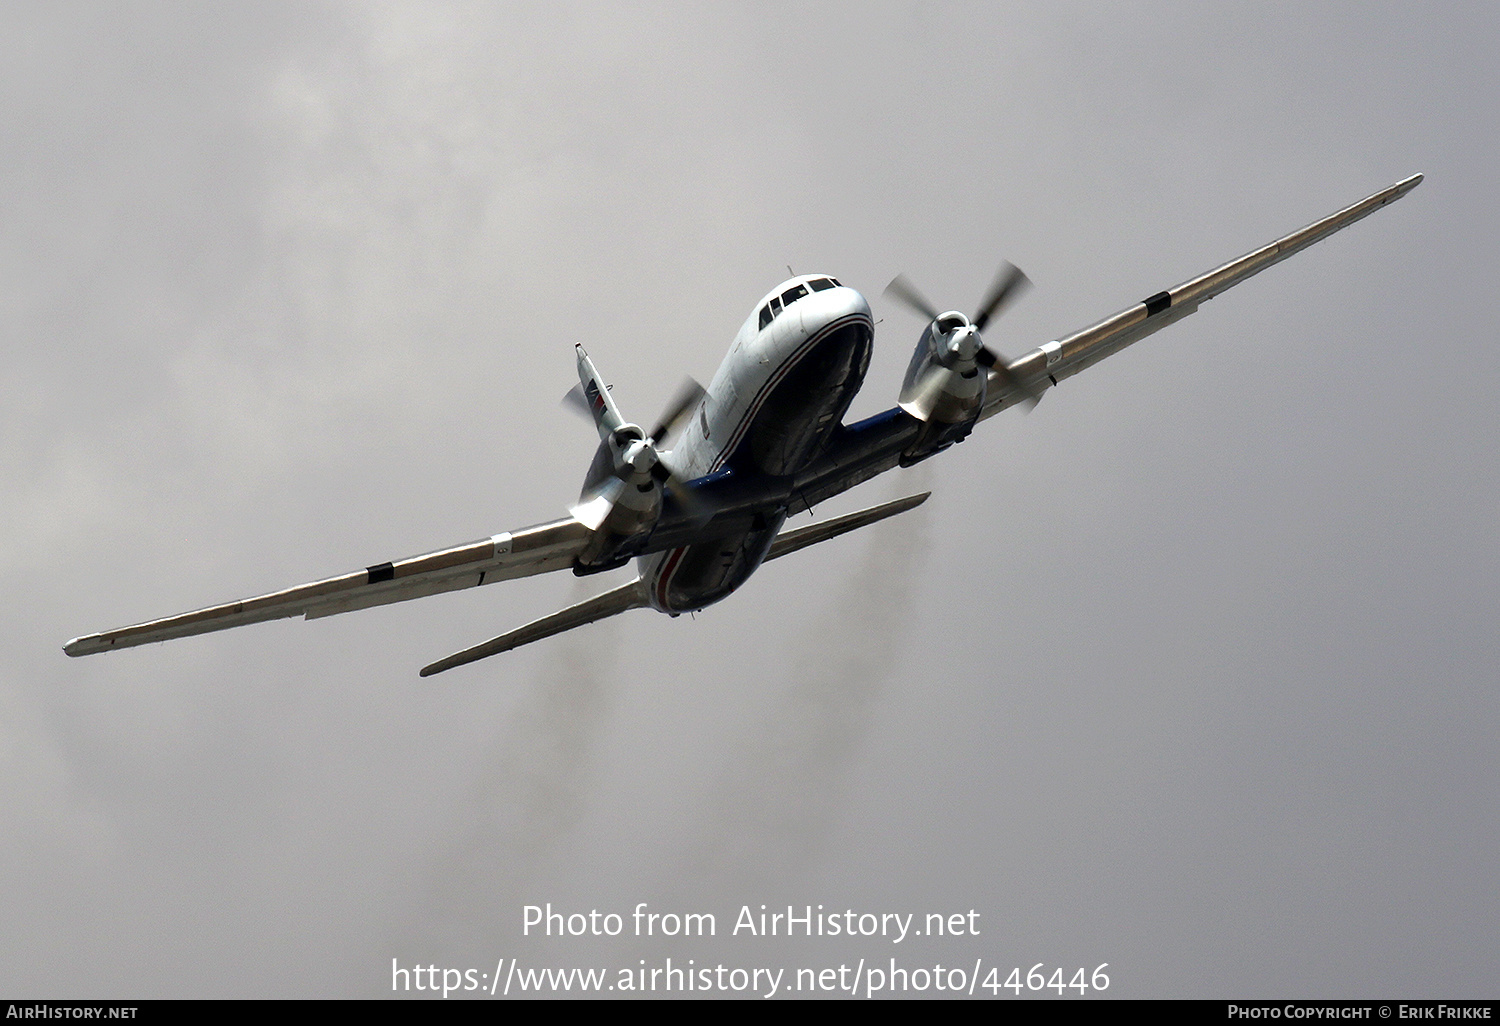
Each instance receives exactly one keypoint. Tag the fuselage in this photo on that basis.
(794, 368)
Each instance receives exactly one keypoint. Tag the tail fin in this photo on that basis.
(596, 395)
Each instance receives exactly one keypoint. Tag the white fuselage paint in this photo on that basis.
(758, 363)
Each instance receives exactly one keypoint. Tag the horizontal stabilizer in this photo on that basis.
(633, 595)
(802, 537)
(611, 603)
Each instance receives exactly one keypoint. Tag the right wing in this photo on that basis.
(1047, 365)
(533, 550)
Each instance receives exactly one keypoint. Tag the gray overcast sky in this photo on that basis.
(1191, 671)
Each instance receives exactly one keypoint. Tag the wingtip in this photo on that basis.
(445, 663)
(80, 646)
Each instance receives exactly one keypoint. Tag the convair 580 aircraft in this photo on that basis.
(765, 440)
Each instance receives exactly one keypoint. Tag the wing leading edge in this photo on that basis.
(1049, 364)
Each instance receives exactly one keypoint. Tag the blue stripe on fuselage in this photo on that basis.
(733, 450)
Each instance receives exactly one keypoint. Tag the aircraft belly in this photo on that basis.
(698, 575)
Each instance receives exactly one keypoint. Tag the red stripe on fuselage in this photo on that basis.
(668, 566)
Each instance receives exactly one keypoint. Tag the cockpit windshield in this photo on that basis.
(772, 309)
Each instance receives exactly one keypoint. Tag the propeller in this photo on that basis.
(689, 395)
(959, 349)
(902, 289)
(638, 471)
(1011, 281)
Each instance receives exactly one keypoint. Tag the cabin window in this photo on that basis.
(765, 316)
(819, 284)
(793, 294)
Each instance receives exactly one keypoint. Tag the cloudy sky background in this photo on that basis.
(1191, 671)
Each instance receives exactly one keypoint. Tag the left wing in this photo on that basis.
(532, 550)
(1049, 364)
(858, 452)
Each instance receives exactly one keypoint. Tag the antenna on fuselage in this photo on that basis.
(790, 272)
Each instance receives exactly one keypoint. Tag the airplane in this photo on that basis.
(766, 440)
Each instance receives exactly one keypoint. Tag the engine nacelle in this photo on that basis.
(620, 501)
(623, 490)
(944, 386)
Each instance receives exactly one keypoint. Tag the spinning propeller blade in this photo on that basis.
(689, 395)
(902, 288)
(1010, 282)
